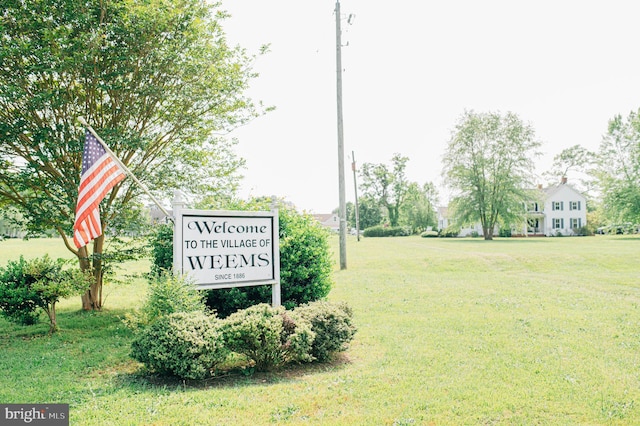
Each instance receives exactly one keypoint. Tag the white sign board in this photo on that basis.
(222, 249)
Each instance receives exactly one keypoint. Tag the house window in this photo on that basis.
(558, 223)
(557, 205)
(574, 205)
(576, 223)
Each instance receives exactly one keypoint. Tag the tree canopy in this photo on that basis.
(156, 79)
(488, 165)
(576, 164)
(387, 189)
(388, 186)
(618, 169)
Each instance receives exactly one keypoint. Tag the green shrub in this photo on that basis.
(269, 336)
(332, 324)
(167, 294)
(305, 259)
(387, 231)
(161, 245)
(429, 234)
(305, 263)
(582, 231)
(305, 268)
(504, 232)
(183, 344)
(18, 298)
(37, 283)
(450, 232)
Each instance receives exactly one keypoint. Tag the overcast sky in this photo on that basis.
(411, 69)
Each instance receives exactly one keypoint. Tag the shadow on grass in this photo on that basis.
(627, 238)
(511, 240)
(232, 378)
(72, 324)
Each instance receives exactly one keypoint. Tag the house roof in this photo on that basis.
(323, 217)
(553, 189)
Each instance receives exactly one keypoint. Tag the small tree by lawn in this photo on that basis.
(38, 283)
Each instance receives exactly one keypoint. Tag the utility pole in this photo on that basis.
(341, 184)
(355, 188)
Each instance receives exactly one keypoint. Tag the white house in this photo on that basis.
(562, 210)
(556, 210)
(444, 221)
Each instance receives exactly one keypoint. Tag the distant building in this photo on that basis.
(9, 230)
(157, 216)
(331, 221)
(444, 221)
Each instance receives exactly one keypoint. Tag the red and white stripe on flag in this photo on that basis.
(100, 173)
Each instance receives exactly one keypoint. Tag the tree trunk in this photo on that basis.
(393, 215)
(53, 321)
(92, 299)
(487, 233)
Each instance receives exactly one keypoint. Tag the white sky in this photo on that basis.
(411, 68)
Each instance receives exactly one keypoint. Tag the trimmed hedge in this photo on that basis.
(387, 231)
(188, 345)
(332, 324)
(269, 336)
(429, 234)
(191, 345)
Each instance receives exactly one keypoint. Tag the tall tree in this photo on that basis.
(369, 213)
(576, 163)
(388, 186)
(488, 165)
(419, 210)
(156, 79)
(618, 169)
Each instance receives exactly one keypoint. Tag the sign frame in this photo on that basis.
(229, 242)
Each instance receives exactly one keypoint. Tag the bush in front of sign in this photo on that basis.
(333, 325)
(268, 336)
(167, 294)
(188, 345)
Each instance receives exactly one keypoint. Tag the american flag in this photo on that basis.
(100, 173)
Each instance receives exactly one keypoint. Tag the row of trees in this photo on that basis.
(389, 197)
(489, 167)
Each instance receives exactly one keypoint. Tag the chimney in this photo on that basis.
(563, 181)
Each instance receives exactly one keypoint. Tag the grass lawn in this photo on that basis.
(451, 332)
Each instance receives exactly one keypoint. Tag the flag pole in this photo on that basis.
(125, 168)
